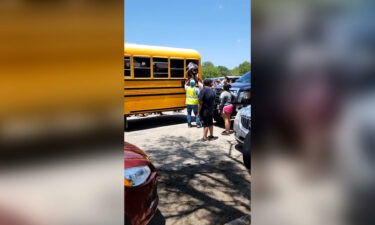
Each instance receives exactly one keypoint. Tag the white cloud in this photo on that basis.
(238, 40)
(221, 6)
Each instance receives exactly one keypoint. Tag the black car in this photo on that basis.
(241, 92)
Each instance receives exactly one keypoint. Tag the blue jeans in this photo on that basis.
(193, 108)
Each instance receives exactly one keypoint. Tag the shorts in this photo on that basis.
(207, 119)
(227, 110)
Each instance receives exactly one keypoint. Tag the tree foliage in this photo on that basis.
(223, 71)
(244, 67)
(210, 70)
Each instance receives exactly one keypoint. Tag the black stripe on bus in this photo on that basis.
(181, 93)
(141, 88)
(161, 109)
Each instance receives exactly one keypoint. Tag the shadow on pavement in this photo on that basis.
(154, 121)
(198, 181)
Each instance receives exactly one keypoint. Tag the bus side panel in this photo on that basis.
(137, 104)
(153, 95)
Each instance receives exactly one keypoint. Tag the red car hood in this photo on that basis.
(132, 154)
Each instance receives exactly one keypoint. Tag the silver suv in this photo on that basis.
(241, 124)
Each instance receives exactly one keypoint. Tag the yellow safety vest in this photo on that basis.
(191, 96)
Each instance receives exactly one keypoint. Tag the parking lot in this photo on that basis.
(199, 182)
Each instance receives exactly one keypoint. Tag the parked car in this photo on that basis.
(241, 92)
(140, 182)
(242, 124)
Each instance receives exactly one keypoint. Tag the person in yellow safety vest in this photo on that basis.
(192, 101)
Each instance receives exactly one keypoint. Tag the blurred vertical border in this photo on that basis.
(61, 64)
(313, 112)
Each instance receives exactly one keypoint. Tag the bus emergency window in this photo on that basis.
(177, 68)
(142, 67)
(127, 67)
(160, 67)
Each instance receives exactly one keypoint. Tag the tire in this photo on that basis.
(127, 221)
(246, 156)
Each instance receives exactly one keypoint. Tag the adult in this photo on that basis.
(226, 80)
(226, 108)
(192, 101)
(206, 110)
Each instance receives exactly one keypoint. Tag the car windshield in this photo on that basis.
(244, 79)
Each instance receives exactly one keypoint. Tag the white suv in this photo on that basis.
(242, 124)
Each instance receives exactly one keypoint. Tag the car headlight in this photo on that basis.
(136, 176)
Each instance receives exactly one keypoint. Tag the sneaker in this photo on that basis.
(225, 133)
(203, 139)
(211, 138)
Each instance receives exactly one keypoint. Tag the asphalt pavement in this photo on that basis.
(199, 182)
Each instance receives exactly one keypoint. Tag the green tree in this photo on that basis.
(210, 70)
(244, 67)
(235, 71)
(241, 69)
(224, 71)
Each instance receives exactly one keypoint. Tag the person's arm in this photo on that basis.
(199, 108)
(187, 84)
(201, 95)
(222, 100)
(200, 85)
(196, 78)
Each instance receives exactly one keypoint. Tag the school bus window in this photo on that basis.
(142, 67)
(192, 60)
(177, 68)
(127, 67)
(160, 67)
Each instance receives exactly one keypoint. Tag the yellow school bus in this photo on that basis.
(154, 78)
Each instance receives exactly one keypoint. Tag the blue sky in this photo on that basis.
(218, 29)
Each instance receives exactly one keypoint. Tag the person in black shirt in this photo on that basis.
(206, 110)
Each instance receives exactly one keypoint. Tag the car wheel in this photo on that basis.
(246, 152)
(127, 221)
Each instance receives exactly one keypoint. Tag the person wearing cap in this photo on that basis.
(192, 93)
(226, 80)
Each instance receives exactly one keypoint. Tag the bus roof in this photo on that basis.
(149, 50)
